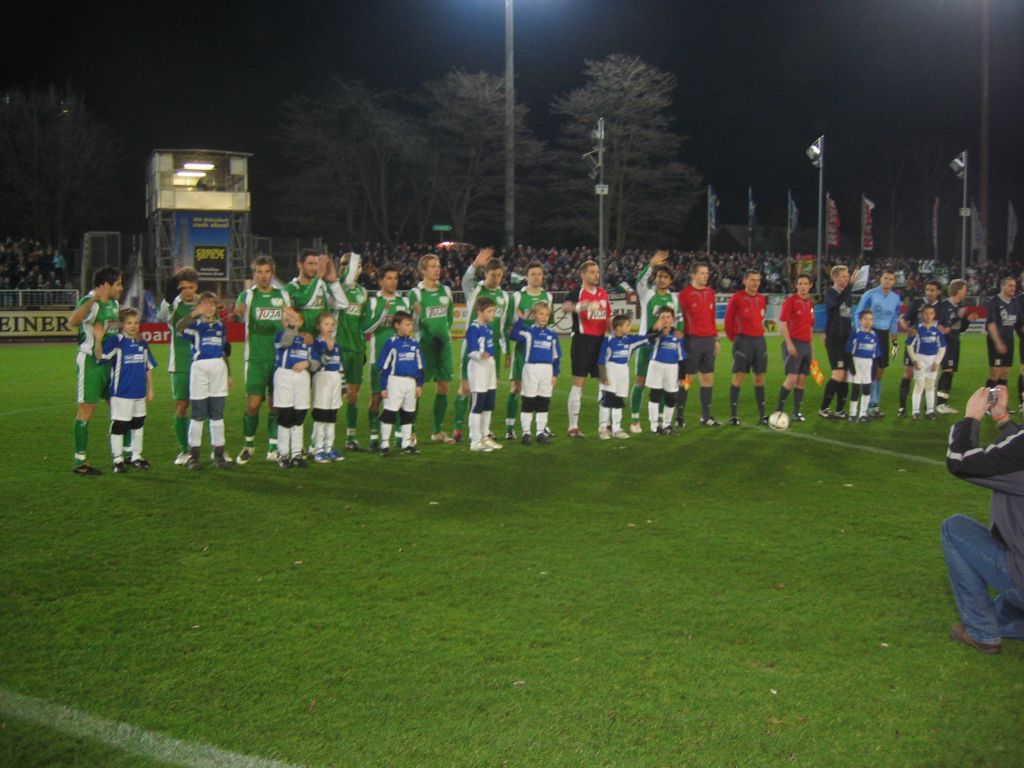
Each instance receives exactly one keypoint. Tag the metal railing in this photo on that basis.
(17, 299)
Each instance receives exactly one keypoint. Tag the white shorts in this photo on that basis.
(482, 375)
(208, 378)
(126, 409)
(327, 390)
(401, 394)
(618, 379)
(537, 379)
(664, 376)
(862, 368)
(291, 389)
(926, 362)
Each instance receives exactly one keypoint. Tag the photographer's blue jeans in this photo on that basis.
(976, 562)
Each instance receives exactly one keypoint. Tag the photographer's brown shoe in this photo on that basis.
(959, 633)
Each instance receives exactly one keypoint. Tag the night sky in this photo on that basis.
(758, 82)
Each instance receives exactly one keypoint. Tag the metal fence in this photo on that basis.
(14, 299)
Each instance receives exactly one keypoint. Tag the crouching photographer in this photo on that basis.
(980, 558)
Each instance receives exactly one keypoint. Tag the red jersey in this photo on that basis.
(745, 315)
(698, 305)
(595, 319)
(799, 317)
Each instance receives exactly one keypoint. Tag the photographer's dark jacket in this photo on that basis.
(999, 466)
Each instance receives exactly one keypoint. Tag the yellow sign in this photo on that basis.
(27, 324)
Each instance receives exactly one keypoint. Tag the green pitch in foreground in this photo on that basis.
(726, 597)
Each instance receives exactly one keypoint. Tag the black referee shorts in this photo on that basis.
(883, 342)
(584, 353)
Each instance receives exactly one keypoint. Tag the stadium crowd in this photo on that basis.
(27, 264)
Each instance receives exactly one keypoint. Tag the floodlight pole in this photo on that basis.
(601, 193)
(510, 140)
(821, 209)
(965, 214)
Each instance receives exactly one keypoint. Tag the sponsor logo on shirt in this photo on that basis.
(277, 302)
(270, 314)
(354, 309)
(434, 313)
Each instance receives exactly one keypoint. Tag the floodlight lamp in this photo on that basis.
(190, 174)
(199, 166)
(959, 165)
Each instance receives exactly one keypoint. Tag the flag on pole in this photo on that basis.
(832, 221)
(935, 228)
(977, 233)
(751, 213)
(867, 238)
(712, 210)
(1011, 227)
(794, 214)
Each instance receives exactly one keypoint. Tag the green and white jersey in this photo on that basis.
(311, 299)
(101, 312)
(651, 300)
(474, 289)
(522, 302)
(437, 310)
(380, 312)
(263, 320)
(181, 348)
(353, 318)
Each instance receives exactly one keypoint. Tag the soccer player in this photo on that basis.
(838, 321)
(884, 304)
(353, 301)
(261, 308)
(434, 312)
(291, 388)
(539, 371)
(796, 323)
(482, 375)
(654, 290)
(401, 378)
(701, 341)
(184, 287)
(591, 310)
(663, 371)
(308, 290)
(96, 318)
(380, 313)
(744, 325)
(1001, 322)
(328, 380)
(864, 350)
(131, 385)
(927, 348)
(520, 304)
(931, 298)
(613, 369)
(209, 377)
(490, 287)
(953, 320)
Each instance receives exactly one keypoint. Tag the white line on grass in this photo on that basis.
(125, 737)
(862, 448)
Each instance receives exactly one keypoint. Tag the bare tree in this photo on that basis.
(56, 162)
(651, 190)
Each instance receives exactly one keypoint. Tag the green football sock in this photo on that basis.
(374, 423)
(126, 449)
(461, 404)
(80, 434)
(181, 432)
(351, 415)
(440, 411)
(511, 409)
(636, 400)
(272, 431)
(249, 425)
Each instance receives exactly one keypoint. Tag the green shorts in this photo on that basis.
(518, 361)
(93, 379)
(259, 378)
(437, 358)
(643, 360)
(179, 385)
(354, 362)
(375, 387)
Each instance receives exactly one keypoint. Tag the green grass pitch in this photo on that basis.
(729, 597)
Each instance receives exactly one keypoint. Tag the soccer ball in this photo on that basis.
(778, 421)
